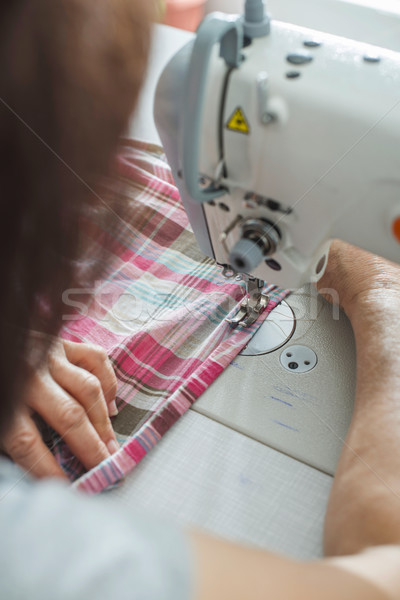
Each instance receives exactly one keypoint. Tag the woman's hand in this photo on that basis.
(74, 393)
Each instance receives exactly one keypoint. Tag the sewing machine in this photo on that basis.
(252, 460)
(280, 139)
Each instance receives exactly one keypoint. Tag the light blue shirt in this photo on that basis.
(56, 544)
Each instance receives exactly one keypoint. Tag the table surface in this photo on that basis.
(206, 472)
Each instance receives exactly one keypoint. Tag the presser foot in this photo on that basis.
(254, 303)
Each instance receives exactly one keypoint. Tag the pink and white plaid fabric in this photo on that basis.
(159, 311)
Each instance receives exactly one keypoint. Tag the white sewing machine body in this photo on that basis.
(321, 141)
(252, 460)
(299, 143)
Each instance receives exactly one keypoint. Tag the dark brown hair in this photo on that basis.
(70, 73)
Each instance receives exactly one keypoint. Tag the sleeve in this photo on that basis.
(55, 543)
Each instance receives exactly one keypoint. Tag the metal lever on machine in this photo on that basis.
(216, 28)
(229, 32)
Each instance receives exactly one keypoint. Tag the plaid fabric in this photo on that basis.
(160, 313)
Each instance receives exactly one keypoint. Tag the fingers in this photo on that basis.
(69, 418)
(23, 443)
(95, 360)
(86, 389)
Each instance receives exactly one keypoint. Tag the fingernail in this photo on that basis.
(113, 446)
(112, 409)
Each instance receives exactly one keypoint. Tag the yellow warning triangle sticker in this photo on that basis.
(238, 122)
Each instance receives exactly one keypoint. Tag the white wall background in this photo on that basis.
(373, 21)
